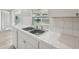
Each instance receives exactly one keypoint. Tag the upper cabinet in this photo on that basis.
(63, 12)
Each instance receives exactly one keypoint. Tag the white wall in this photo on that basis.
(63, 12)
(0, 20)
(65, 25)
(25, 16)
(5, 19)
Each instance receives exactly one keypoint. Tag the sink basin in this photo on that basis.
(37, 32)
(34, 31)
(28, 28)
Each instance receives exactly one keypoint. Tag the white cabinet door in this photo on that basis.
(19, 41)
(26, 41)
(76, 43)
(62, 13)
(14, 37)
(44, 45)
(30, 41)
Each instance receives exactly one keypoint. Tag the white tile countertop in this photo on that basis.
(58, 40)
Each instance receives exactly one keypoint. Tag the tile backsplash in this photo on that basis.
(68, 25)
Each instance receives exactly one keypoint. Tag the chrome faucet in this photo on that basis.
(41, 27)
(36, 26)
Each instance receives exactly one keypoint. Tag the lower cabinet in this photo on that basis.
(22, 40)
(44, 45)
(26, 41)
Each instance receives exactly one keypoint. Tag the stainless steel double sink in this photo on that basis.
(33, 30)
